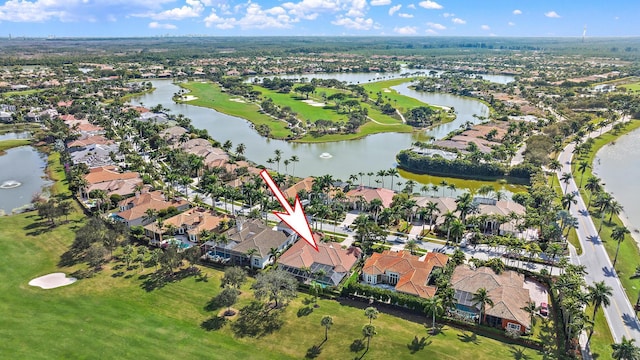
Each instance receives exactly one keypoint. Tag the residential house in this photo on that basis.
(96, 155)
(305, 184)
(362, 195)
(174, 134)
(328, 266)
(108, 179)
(507, 290)
(405, 272)
(6, 117)
(190, 224)
(247, 235)
(133, 210)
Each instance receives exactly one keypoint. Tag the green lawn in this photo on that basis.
(210, 95)
(601, 340)
(113, 317)
(8, 144)
(634, 87)
(472, 185)
(401, 102)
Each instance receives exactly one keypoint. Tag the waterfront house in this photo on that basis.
(133, 210)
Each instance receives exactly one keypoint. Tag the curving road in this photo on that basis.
(620, 315)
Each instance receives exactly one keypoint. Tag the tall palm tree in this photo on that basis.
(625, 350)
(582, 167)
(368, 331)
(481, 297)
(614, 207)
(393, 172)
(277, 158)
(449, 216)
(433, 306)
(464, 204)
(326, 321)
(599, 295)
(568, 199)
(531, 309)
(381, 174)
(452, 187)
(456, 229)
(618, 234)
(565, 178)
(371, 313)
(294, 159)
(593, 186)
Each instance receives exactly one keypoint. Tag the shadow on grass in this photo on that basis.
(469, 338)
(214, 323)
(518, 353)
(357, 345)
(418, 344)
(38, 228)
(257, 320)
(160, 278)
(117, 274)
(313, 352)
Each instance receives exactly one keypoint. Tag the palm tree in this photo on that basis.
(326, 321)
(565, 178)
(481, 297)
(371, 313)
(393, 172)
(599, 295)
(368, 331)
(294, 159)
(381, 174)
(452, 187)
(412, 246)
(618, 233)
(593, 186)
(625, 350)
(449, 216)
(277, 158)
(614, 207)
(582, 167)
(456, 229)
(568, 199)
(431, 210)
(531, 309)
(433, 306)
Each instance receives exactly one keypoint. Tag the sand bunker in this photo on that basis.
(237, 100)
(386, 90)
(314, 103)
(189, 98)
(52, 281)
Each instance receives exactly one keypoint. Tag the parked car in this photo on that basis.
(544, 309)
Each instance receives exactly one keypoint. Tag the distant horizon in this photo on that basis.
(150, 18)
(52, 37)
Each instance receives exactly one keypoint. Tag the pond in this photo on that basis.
(15, 135)
(25, 178)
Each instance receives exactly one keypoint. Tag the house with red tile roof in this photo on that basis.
(329, 265)
(408, 273)
(108, 179)
(190, 223)
(305, 184)
(367, 194)
(133, 210)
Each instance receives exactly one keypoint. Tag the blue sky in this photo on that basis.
(70, 18)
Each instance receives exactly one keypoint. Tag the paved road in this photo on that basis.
(620, 315)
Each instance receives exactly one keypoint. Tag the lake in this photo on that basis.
(22, 167)
(341, 158)
(618, 165)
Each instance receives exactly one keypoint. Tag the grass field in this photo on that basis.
(109, 316)
(634, 87)
(601, 340)
(210, 95)
(9, 144)
(472, 185)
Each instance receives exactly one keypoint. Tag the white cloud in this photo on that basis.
(511, 23)
(27, 11)
(192, 8)
(431, 32)
(380, 2)
(254, 18)
(310, 9)
(485, 27)
(552, 14)
(406, 30)
(428, 4)
(394, 9)
(356, 24)
(517, 12)
(157, 25)
(458, 21)
(358, 8)
(436, 26)
(405, 15)
(446, 15)
(412, 6)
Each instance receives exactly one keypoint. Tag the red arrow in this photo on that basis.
(295, 218)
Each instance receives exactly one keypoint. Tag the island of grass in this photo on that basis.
(9, 144)
(326, 111)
